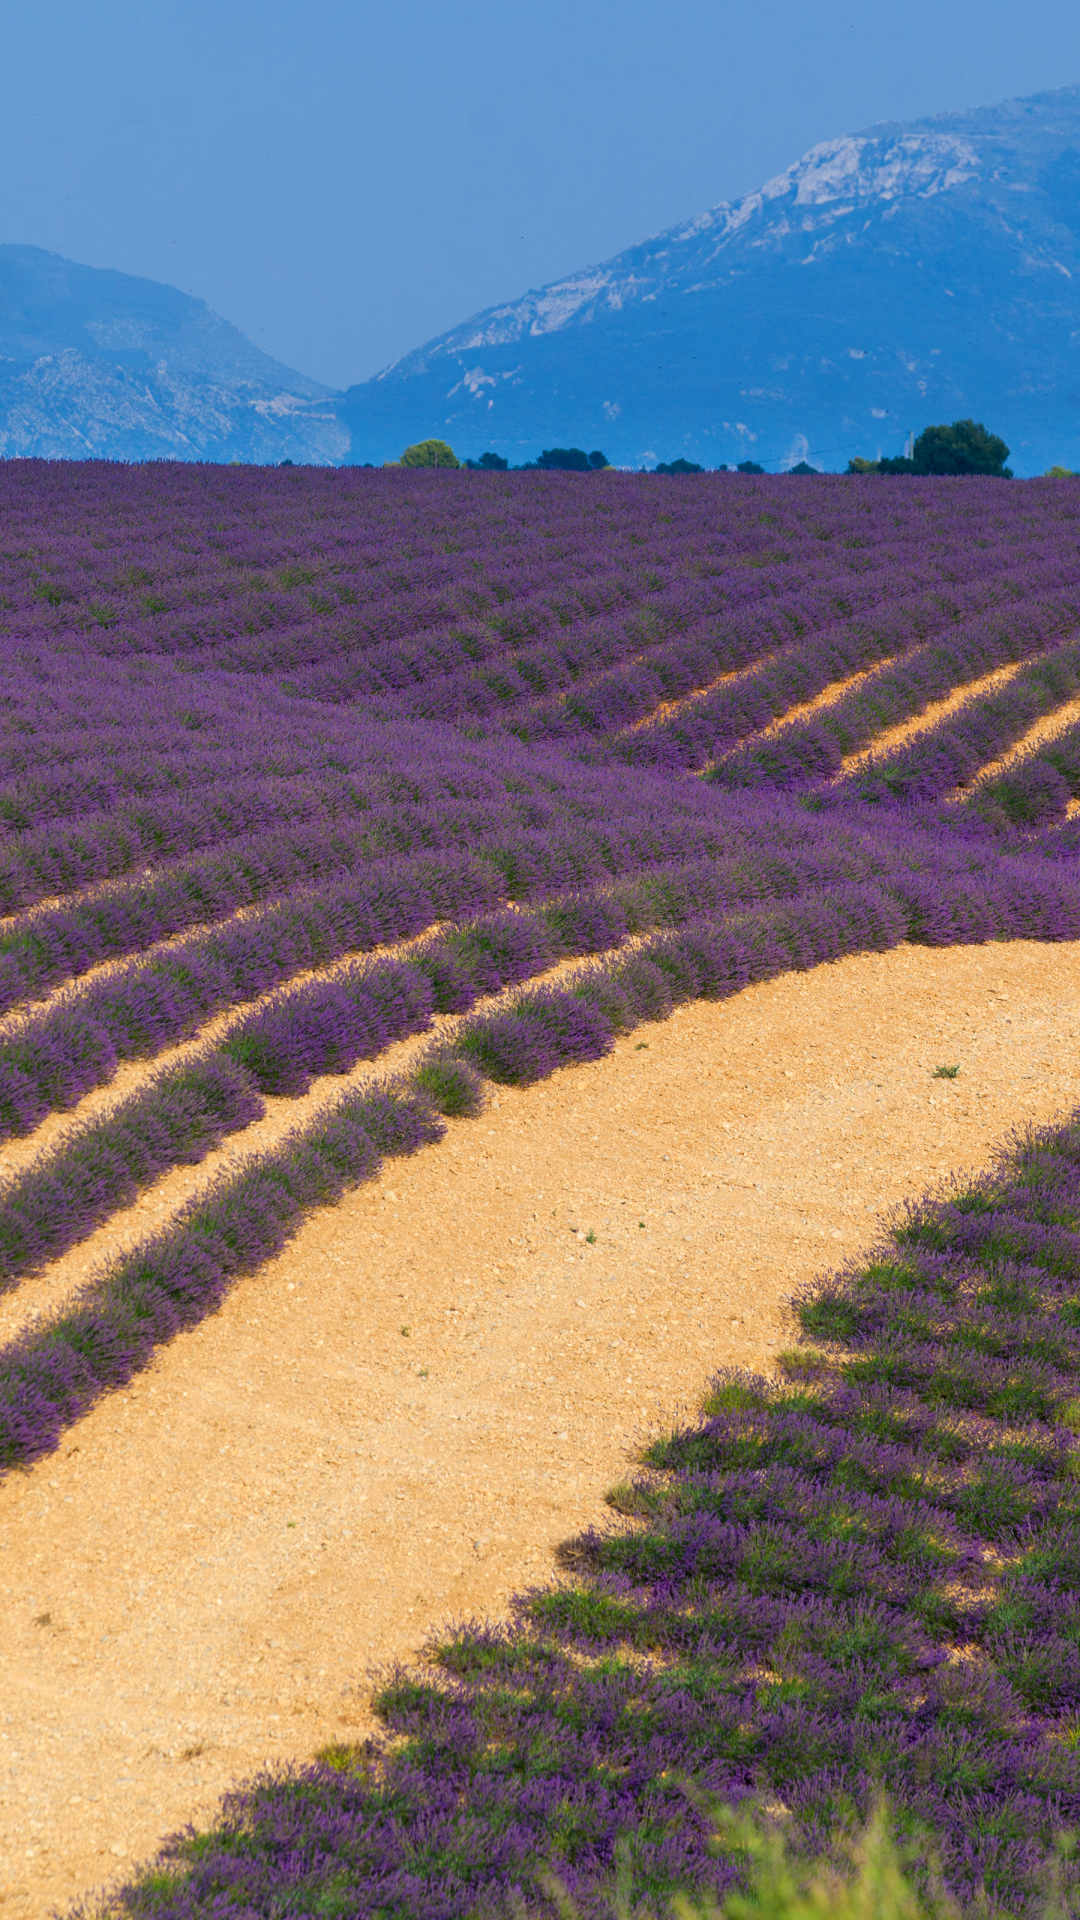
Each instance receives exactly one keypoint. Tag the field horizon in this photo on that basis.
(482, 954)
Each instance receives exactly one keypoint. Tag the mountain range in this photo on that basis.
(913, 273)
(96, 363)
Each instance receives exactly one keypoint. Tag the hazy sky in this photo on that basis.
(344, 179)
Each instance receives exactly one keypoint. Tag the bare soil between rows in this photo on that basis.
(397, 1421)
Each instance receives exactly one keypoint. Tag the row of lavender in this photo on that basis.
(495, 822)
(53, 1373)
(861, 1578)
(249, 557)
(70, 782)
(686, 583)
(51, 1060)
(324, 1027)
(272, 835)
(339, 779)
(49, 1376)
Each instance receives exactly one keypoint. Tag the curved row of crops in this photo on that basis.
(335, 830)
(295, 765)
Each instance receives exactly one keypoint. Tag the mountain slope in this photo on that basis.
(100, 363)
(911, 273)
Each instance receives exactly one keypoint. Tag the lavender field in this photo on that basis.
(578, 750)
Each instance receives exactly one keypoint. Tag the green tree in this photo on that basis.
(965, 447)
(1058, 473)
(564, 460)
(749, 466)
(803, 468)
(679, 466)
(488, 463)
(429, 453)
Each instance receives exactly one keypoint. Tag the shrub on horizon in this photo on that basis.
(429, 453)
(965, 447)
(571, 460)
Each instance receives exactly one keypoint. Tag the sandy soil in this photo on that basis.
(398, 1420)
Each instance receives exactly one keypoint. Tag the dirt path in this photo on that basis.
(202, 1578)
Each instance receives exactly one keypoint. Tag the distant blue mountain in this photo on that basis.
(910, 274)
(100, 363)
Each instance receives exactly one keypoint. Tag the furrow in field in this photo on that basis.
(64, 939)
(52, 1288)
(74, 983)
(144, 1006)
(177, 1278)
(930, 717)
(721, 726)
(21, 1150)
(195, 1635)
(178, 1109)
(671, 709)
(687, 670)
(800, 753)
(34, 930)
(818, 703)
(56, 1285)
(1045, 730)
(50, 1060)
(62, 865)
(591, 685)
(554, 667)
(727, 715)
(950, 755)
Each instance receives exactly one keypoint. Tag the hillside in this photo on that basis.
(96, 363)
(910, 273)
(476, 947)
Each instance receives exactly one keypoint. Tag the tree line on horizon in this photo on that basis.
(965, 447)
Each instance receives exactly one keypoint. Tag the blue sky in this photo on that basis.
(344, 180)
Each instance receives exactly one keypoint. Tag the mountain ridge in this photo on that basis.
(913, 272)
(94, 362)
(987, 198)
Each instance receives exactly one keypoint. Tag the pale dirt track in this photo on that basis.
(203, 1577)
